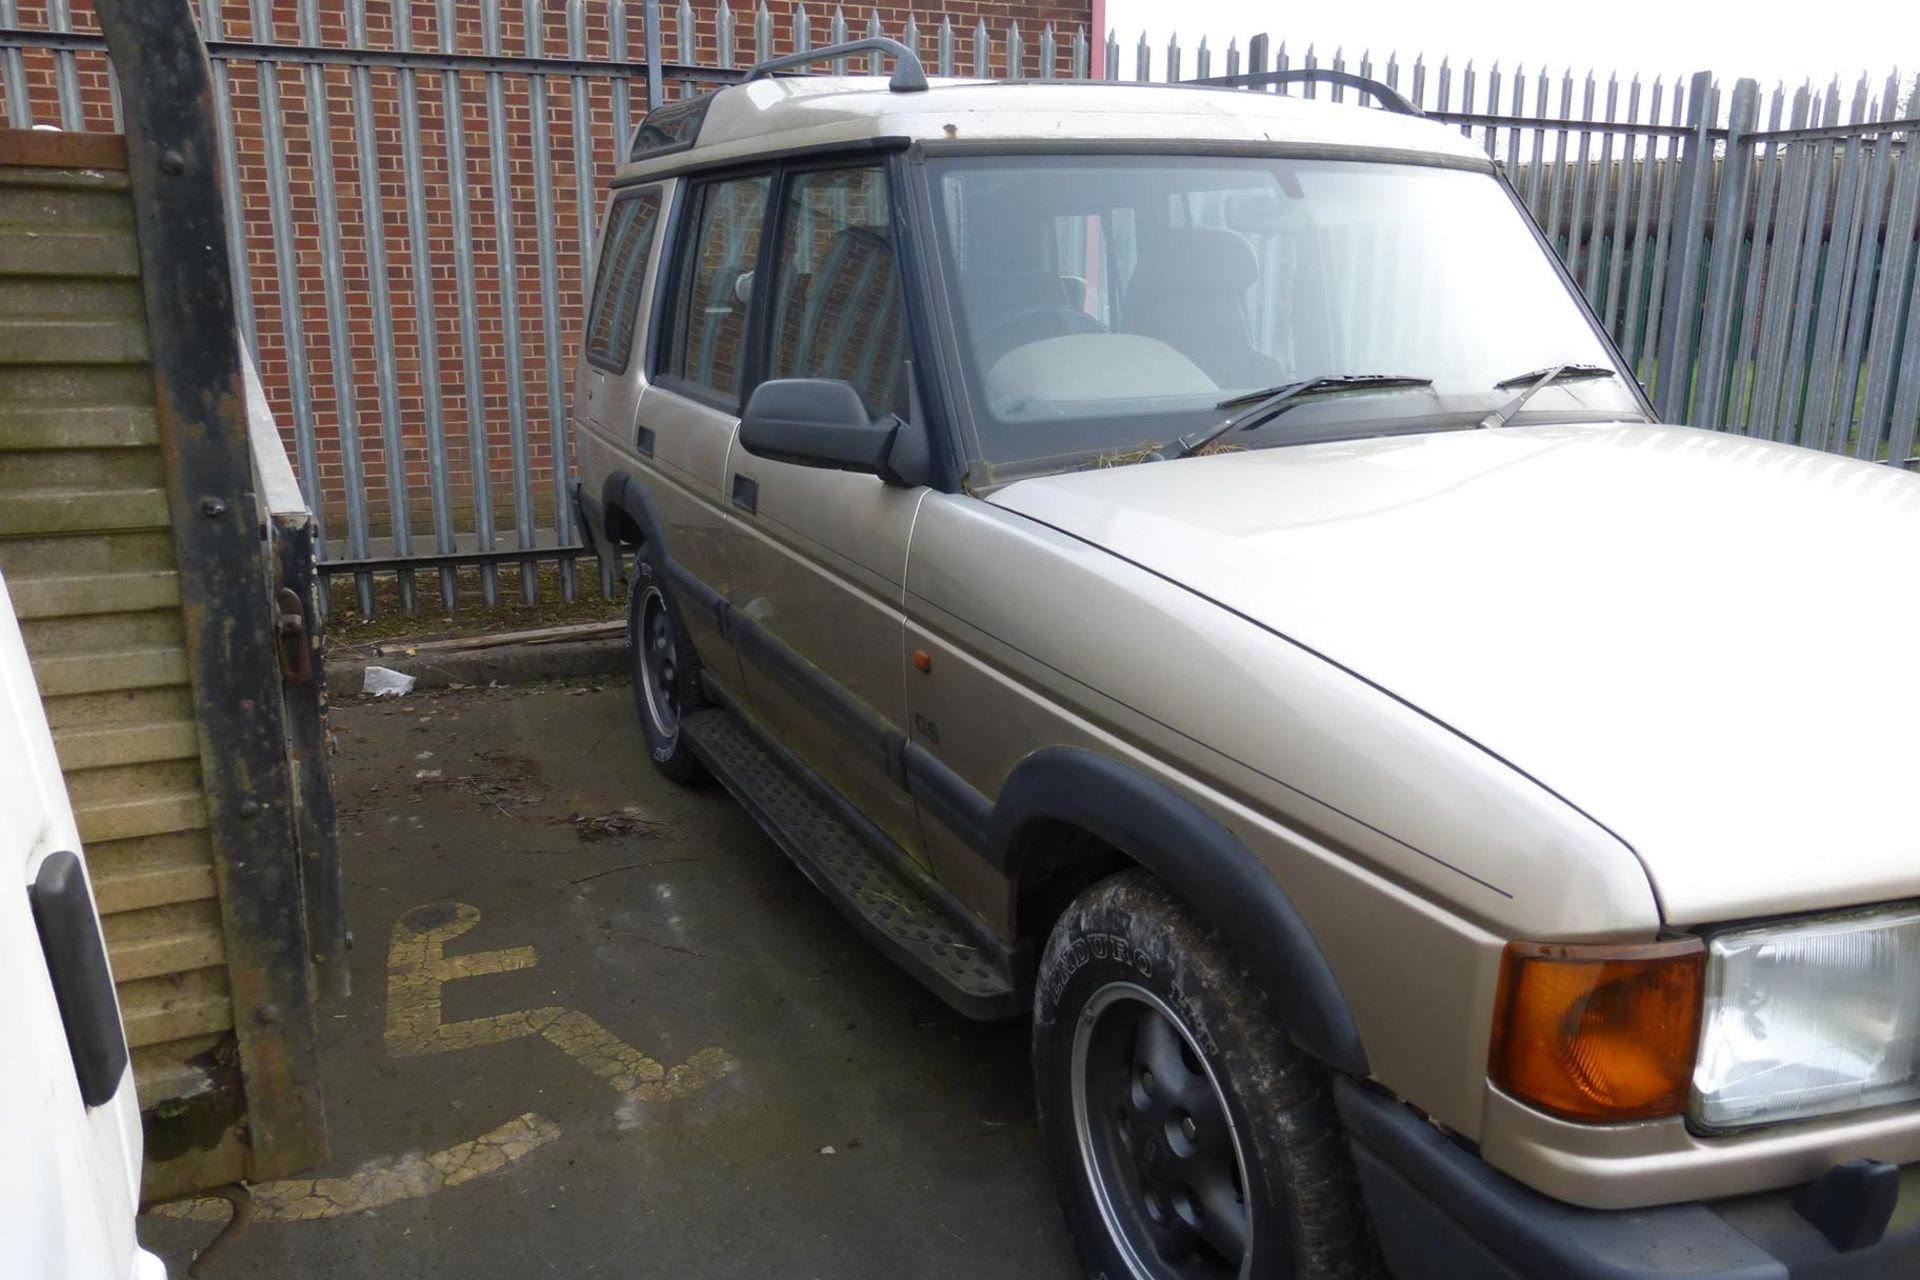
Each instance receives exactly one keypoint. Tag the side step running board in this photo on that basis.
(895, 914)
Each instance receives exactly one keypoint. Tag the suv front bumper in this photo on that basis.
(1439, 1210)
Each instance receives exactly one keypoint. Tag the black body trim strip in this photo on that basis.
(948, 796)
(1201, 861)
(873, 736)
(693, 590)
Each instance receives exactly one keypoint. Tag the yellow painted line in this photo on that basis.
(379, 1183)
(418, 968)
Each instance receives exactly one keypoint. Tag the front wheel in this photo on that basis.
(1189, 1139)
(665, 671)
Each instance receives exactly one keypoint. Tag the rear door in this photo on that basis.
(819, 556)
(689, 410)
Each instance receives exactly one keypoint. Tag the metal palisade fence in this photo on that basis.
(412, 190)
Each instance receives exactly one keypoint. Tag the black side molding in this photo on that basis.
(1201, 861)
(82, 983)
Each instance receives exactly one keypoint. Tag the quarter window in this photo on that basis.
(616, 290)
(707, 341)
(837, 310)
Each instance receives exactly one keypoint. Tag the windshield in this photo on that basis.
(1105, 305)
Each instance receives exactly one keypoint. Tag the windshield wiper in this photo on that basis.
(1264, 406)
(1539, 380)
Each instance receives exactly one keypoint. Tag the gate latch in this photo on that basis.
(290, 630)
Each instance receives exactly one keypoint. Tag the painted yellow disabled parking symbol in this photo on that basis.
(418, 968)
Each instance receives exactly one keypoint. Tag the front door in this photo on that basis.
(819, 556)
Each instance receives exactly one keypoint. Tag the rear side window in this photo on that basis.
(616, 289)
(837, 311)
(706, 342)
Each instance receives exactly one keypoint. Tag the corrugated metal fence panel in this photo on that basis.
(88, 552)
(424, 394)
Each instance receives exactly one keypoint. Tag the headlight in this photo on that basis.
(1810, 1018)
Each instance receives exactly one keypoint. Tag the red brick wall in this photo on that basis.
(437, 255)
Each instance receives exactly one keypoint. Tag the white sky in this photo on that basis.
(1764, 39)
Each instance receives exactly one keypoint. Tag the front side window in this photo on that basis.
(706, 343)
(616, 289)
(837, 311)
(1107, 305)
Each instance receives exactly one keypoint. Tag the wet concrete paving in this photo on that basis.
(601, 1027)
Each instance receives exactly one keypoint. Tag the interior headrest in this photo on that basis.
(1206, 260)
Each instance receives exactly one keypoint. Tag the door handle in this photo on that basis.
(746, 493)
(82, 983)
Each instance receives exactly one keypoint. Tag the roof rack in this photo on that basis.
(908, 75)
(1391, 99)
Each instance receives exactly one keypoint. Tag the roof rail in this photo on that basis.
(908, 75)
(1390, 99)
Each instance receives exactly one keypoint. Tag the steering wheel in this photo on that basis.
(1032, 325)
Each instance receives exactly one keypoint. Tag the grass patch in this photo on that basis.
(348, 629)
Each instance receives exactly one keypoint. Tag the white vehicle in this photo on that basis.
(70, 1139)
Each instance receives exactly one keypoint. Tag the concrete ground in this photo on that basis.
(602, 1027)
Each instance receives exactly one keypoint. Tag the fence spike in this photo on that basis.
(1366, 64)
(982, 50)
(1080, 53)
(837, 34)
(1049, 52)
(1172, 69)
(684, 31)
(1233, 56)
(1203, 60)
(723, 34)
(762, 32)
(802, 29)
(874, 66)
(943, 42)
(1016, 52)
(910, 33)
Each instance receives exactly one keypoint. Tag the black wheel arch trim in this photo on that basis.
(1197, 858)
(620, 493)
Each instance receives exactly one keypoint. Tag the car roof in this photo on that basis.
(784, 113)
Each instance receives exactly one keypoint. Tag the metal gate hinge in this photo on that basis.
(290, 629)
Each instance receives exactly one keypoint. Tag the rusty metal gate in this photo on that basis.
(161, 560)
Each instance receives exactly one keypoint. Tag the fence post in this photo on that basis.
(650, 31)
(1675, 359)
(1257, 53)
(1723, 264)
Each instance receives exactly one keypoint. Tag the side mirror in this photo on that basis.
(821, 422)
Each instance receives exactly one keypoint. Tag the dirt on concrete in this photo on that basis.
(600, 1026)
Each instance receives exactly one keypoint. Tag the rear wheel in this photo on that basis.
(1189, 1139)
(665, 670)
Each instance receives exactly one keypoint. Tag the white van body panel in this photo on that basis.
(69, 1174)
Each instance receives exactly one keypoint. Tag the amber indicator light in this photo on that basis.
(923, 660)
(1599, 1032)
